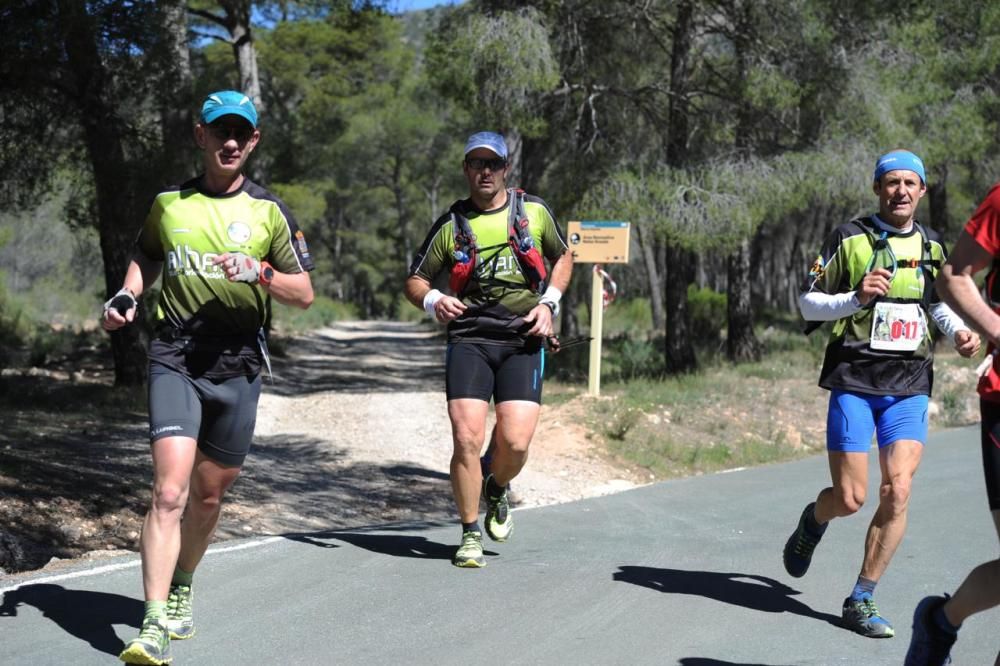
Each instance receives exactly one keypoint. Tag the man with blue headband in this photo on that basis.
(874, 279)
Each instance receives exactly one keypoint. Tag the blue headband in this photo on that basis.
(900, 160)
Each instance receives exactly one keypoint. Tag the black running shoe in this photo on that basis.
(800, 546)
(930, 645)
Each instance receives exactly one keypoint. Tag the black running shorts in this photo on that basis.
(990, 414)
(482, 371)
(219, 413)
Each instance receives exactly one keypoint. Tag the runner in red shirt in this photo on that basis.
(937, 619)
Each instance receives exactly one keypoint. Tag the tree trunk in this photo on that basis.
(678, 351)
(115, 181)
(515, 144)
(177, 121)
(938, 202)
(645, 237)
(238, 25)
(741, 343)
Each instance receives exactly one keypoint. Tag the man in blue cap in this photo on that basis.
(874, 278)
(222, 244)
(500, 309)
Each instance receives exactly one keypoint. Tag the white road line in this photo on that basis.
(128, 565)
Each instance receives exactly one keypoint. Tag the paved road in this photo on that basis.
(682, 572)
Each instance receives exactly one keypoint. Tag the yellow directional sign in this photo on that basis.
(599, 242)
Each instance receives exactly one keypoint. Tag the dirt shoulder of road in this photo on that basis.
(353, 431)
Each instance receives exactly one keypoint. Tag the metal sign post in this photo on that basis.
(598, 243)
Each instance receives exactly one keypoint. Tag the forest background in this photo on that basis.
(732, 134)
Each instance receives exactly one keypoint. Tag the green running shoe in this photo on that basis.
(470, 553)
(861, 616)
(499, 522)
(152, 647)
(180, 619)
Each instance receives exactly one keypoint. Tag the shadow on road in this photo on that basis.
(701, 661)
(396, 545)
(295, 484)
(357, 358)
(377, 540)
(90, 616)
(757, 593)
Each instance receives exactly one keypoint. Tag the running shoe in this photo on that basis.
(861, 616)
(800, 546)
(470, 553)
(152, 647)
(180, 619)
(930, 645)
(499, 522)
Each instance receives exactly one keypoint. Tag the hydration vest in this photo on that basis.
(925, 262)
(519, 239)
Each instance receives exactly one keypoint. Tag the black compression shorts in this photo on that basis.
(990, 412)
(484, 371)
(219, 413)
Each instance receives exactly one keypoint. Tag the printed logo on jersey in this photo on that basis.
(238, 232)
(183, 260)
(818, 268)
(502, 264)
(300, 241)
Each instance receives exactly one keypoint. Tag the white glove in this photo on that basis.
(240, 267)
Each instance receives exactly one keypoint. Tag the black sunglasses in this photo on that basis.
(223, 133)
(478, 163)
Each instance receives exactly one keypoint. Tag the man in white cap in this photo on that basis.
(874, 278)
(223, 244)
(500, 309)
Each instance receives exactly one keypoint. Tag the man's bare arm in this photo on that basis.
(958, 289)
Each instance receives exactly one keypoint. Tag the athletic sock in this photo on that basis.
(182, 577)
(471, 527)
(155, 610)
(941, 620)
(494, 490)
(865, 587)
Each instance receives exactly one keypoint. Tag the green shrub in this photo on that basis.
(708, 313)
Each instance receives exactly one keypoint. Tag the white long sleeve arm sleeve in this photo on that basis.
(817, 306)
(947, 320)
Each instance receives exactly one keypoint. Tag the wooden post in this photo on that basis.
(596, 331)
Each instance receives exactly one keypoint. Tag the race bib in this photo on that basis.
(898, 326)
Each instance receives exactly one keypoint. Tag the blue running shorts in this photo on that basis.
(853, 418)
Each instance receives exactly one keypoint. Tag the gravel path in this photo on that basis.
(354, 430)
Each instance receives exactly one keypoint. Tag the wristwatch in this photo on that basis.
(554, 307)
(266, 274)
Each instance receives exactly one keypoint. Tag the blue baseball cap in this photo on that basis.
(900, 160)
(489, 140)
(228, 103)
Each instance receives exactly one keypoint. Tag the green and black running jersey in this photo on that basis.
(187, 227)
(851, 364)
(497, 295)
